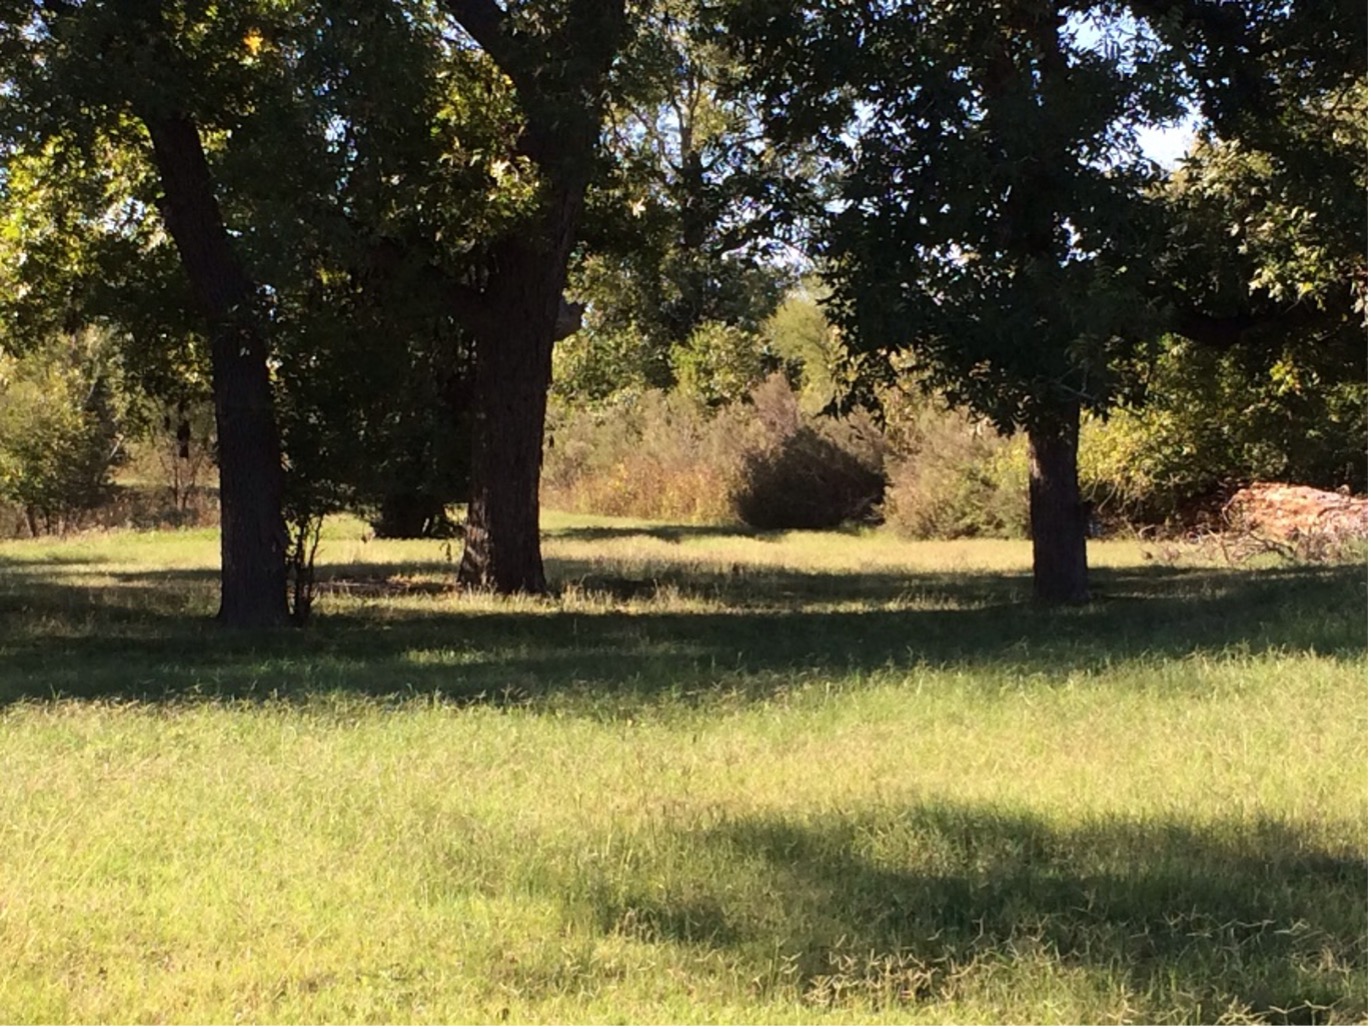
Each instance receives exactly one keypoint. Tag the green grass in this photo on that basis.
(720, 777)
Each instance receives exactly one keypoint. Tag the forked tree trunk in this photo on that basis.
(1055, 511)
(252, 529)
(513, 369)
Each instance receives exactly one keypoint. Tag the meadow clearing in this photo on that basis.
(720, 777)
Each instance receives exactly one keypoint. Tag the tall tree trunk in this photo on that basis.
(1055, 511)
(560, 76)
(1029, 226)
(513, 369)
(252, 530)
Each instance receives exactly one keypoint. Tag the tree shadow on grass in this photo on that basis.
(149, 636)
(1202, 924)
(665, 533)
(41, 564)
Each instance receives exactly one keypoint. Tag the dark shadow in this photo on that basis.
(37, 564)
(1204, 923)
(666, 533)
(762, 631)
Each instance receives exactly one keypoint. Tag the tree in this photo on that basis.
(1264, 259)
(681, 241)
(1262, 267)
(110, 63)
(1263, 273)
(557, 59)
(800, 334)
(1217, 419)
(991, 211)
(252, 530)
(343, 138)
(375, 406)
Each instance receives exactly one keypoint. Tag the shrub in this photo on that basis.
(134, 507)
(953, 476)
(805, 472)
(127, 507)
(1214, 420)
(657, 455)
(62, 420)
(807, 481)
(762, 462)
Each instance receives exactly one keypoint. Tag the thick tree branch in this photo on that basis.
(488, 25)
(191, 212)
(559, 77)
(1223, 332)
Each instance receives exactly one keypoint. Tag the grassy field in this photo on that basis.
(718, 778)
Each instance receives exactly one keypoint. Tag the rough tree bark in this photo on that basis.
(1056, 513)
(252, 529)
(513, 370)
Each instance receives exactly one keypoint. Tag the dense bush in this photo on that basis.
(952, 476)
(762, 462)
(806, 472)
(806, 481)
(126, 507)
(63, 421)
(657, 455)
(1213, 421)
